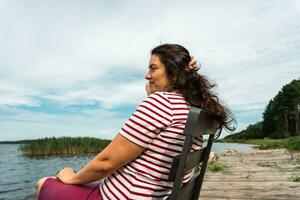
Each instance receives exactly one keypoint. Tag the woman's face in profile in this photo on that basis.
(157, 75)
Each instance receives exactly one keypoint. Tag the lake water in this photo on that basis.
(18, 173)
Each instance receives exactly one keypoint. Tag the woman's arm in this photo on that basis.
(118, 153)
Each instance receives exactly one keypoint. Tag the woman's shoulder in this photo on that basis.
(168, 96)
(166, 100)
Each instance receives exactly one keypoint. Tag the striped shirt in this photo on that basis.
(157, 125)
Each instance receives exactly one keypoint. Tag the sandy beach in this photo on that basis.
(261, 174)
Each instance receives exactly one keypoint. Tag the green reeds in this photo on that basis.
(63, 146)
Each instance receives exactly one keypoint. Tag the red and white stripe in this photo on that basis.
(157, 125)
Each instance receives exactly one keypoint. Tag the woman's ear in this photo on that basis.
(173, 81)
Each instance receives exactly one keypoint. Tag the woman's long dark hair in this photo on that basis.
(195, 88)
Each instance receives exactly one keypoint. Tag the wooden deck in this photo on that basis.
(263, 174)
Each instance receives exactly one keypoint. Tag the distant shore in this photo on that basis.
(291, 143)
(17, 142)
(63, 146)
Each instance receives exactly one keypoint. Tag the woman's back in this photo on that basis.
(157, 125)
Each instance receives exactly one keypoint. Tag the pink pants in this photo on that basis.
(54, 189)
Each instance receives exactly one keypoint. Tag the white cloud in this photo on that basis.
(78, 52)
(109, 95)
(100, 123)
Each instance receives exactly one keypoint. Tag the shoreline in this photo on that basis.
(290, 143)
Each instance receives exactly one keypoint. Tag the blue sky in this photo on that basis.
(76, 68)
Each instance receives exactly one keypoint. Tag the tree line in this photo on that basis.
(280, 117)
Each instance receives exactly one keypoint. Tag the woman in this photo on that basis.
(136, 164)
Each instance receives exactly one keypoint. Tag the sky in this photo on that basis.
(76, 68)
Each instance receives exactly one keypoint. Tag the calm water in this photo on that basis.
(18, 174)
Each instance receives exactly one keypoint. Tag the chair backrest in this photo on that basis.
(198, 123)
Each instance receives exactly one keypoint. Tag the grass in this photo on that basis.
(248, 175)
(269, 164)
(216, 166)
(298, 167)
(63, 146)
(213, 166)
(296, 178)
(292, 143)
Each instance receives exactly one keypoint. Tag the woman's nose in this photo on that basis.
(148, 76)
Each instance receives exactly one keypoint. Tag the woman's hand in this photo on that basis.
(65, 175)
(193, 64)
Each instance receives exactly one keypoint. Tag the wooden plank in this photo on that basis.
(262, 174)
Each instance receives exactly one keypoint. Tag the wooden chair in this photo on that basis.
(198, 123)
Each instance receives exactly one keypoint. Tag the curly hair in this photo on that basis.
(195, 88)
